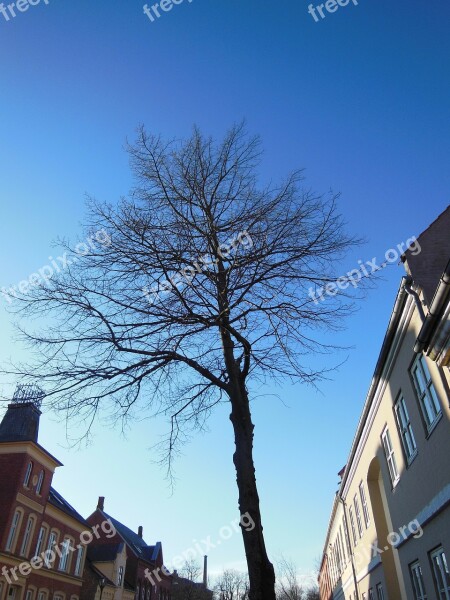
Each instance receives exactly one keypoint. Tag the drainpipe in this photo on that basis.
(409, 290)
(437, 304)
(347, 537)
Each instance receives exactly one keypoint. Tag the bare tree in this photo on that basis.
(232, 585)
(289, 586)
(187, 585)
(191, 570)
(203, 288)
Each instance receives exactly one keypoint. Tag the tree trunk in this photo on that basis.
(260, 569)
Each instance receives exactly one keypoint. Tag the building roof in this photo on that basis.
(98, 573)
(55, 499)
(426, 261)
(104, 552)
(135, 542)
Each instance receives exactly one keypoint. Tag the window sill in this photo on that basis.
(412, 458)
(395, 483)
(433, 425)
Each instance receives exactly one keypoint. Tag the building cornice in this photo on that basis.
(403, 310)
(34, 450)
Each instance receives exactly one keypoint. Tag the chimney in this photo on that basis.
(205, 572)
(101, 503)
(21, 421)
(140, 531)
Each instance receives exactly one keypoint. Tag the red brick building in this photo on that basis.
(143, 567)
(42, 537)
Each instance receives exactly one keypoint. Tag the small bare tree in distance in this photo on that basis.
(232, 585)
(202, 289)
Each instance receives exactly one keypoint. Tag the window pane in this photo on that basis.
(12, 531)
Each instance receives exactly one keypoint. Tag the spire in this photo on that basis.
(21, 420)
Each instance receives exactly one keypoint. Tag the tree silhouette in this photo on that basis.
(201, 289)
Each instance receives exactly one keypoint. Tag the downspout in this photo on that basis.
(424, 337)
(347, 537)
(409, 290)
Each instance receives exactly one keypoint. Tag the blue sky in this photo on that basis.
(361, 100)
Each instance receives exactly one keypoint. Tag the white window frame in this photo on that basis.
(358, 515)
(352, 525)
(365, 506)
(428, 400)
(52, 539)
(64, 558)
(380, 592)
(79, 561)
(13, 530)
(371, 595)
(27, 477)
(120, 575)
(40, 482)
(29, 595)
(418, 584)
(26, 536)
(405, 429)
(40, 540)
(390, 456)
(441, 573)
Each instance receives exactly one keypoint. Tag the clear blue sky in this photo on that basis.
(360, 99)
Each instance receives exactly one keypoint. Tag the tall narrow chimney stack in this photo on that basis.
(205, 571)
(101, 503)
(140, 531)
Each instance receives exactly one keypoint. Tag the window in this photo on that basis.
(58, 597)
(40, 482)
(80, 560)
(42, 596)
(137, 591)
(13, 530)
(371, 596)
(49, 552)
(352, 523)
(26, 537)
(365, 508)
(417, 581)
(429, 403)
(40, 541)
(120, 576)
(29, 595)
(26, 481)
(12, 593)
(347, 540)
(341, 539)
(405, 429)
(65, 546)
(380, 592)
(390, 456)
(358, 515)
(441, 574)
